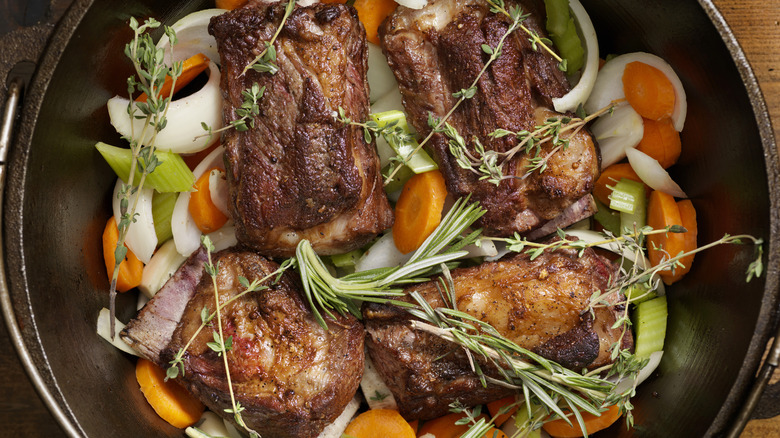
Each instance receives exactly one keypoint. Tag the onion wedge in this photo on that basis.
(650, 171)
(652, 364)
(218, 188)
(617, 132)
(184, 118)
(192, 33)
(381, 79)
(579, 94)
(104, 330)
(141, 237)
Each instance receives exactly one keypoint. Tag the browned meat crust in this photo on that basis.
(299, 173)
(539, 304)
(292, 377)
(435, 52)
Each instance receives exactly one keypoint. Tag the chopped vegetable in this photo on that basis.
(162, 209)
(170, 400)
(662, 212)
(170, 175)
(661, 141)
(626, 196)
(560, 429)
(446, 427)
(609, 177)
(579, 94)
(502, 409)
(563, 32)
(160, 268)
(609, 219)
(648, 91)
(652, 174)
(104, 330)
(206, 215)
(379, 423)
(347, 259)
(617, 132)
(650, 326)
(420, 162)
(371, 13)
(191, 68)
(688, 217)
(230, 4)
(130, 270)
(418, 211)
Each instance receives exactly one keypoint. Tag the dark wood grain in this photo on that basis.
(756, 24)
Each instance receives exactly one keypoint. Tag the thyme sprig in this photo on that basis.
(150, 72)
(249, 109)
(499, 7)
(444, 245)
(517, 18)
(265, 62)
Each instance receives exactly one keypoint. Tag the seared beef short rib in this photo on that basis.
(539, 304)
(299, 173)
(293, 377)
(437, 51)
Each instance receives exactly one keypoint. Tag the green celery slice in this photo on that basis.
(627, 195)
(650, 326)
(172, 175)
(563, 32)
(609, 219)
(420, 161)
(637, 294)
(346, 260)
(162, 210)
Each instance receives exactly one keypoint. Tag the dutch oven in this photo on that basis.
(57, 191)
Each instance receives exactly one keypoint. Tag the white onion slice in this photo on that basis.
(392, 100)
(644, 373)
(186, 234)
(372, 385)
(193, 37)
(141, 301)
(224, 237)
(184, 118)
(160, 268)
(336, 429)
(481, 248)
(218, 189)
(412, 4)
(653, 174)
(381, 79)
(579, 94)
(609, 84)
(382, 254)
(104, 330)
(209, 425)
(617, 132)
(591, 237)
(141, 238)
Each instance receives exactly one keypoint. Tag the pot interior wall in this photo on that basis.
(67, 186)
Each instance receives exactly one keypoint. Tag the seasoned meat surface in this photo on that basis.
(293, 377)
(539, 304)
(437, 51)
(299, 173)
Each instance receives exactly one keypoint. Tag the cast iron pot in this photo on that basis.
(58, 190)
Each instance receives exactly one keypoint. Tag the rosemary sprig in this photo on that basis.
(265, 62)
(151, 71)
(444, 245)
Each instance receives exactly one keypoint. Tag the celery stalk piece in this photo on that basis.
(627, 195)
(637, 294)
(400, 178)
(650, 326)
(420, 161)
(162, 209)
(346, 260)
(171, 175)
(563, 32)
(609, 219)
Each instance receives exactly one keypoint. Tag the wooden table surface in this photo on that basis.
(756, 24)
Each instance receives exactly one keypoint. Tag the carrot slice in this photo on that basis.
(445, 427)
(661, 141)
(495, 406)
(648, 91)
(610, 176)
(662, 212)
(191, 68)
(418, 210)
(206, 215)
(688, 217)
(130, 270)
(379, 423)
(170, 400)
(371, 13)
(230, 4)
(560, 429)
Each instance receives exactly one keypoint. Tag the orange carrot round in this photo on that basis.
(371, 13)
(661, 141)
(191, 68)
(130, 270)
(495, 406)
(560, 429)
(445, 427)
(688, 218)
(206, 215)
(648, 91)
(662, 212)
(379, 423)
(418, 210)
(230, 4)
(170, 400)
(609, 177)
